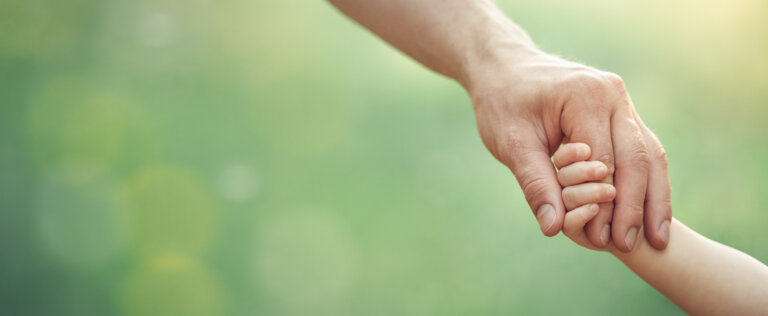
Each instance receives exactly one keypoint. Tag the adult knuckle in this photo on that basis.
(608, 160)
(630, 204)
(615, 81)
(534, 188)
(633, 207)
(640, 158)
(592, 82)
(599, 91)
(660, 156)
(601, 85)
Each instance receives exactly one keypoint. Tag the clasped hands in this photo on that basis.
(528, 103)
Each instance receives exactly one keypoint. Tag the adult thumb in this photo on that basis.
(533, 168)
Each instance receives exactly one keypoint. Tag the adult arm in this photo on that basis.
(526, 101)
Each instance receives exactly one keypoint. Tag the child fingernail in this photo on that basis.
(601, 170)
(594, 208)
(629, 240)
(582, 151)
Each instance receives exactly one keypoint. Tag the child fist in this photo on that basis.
(582, 189)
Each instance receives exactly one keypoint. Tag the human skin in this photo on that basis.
(701, 276)
(527, 102)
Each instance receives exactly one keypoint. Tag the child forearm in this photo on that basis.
(702, 276)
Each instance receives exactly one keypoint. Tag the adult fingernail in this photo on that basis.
(664, 231)
(629, 240)
(605, 234)
(546, 217)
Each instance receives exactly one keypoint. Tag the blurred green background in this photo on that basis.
(249, 157)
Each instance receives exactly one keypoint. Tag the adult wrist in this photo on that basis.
(493, 59)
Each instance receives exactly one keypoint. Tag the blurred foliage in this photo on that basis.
(273, 158)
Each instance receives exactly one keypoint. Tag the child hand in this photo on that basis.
(582, 189)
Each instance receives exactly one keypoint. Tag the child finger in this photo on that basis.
(570, 153)
(582, 171)
(577, 218)
(585, 193)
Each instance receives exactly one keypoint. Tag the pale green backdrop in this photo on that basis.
(245, 157)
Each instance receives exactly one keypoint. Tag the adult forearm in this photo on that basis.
(452, 37)
(702, 276)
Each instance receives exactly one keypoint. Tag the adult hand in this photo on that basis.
(527, 103)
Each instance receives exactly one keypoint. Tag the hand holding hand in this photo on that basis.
(527, 102)
(581, 192)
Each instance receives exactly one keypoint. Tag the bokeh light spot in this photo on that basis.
(168, 209)
(77, 220)
(238, 183)
(306, 260)
(157, 29)
(73, 122)
(171, 285)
